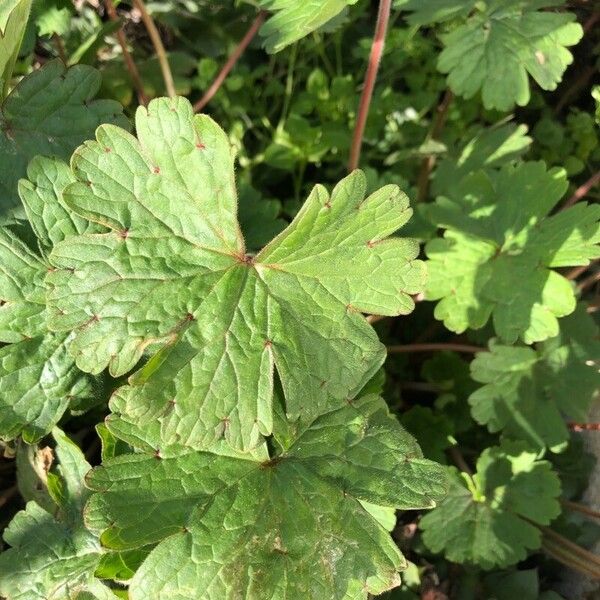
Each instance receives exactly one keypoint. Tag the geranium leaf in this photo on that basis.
(294, 20)
(173, 268)
(13, 20)
(290, 525)
(51, 557)
(489, 519)
(502, 43)
(499, 249)
(50, 112)
(529, 391)
(38, 377)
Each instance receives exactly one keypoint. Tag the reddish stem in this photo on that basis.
(129, 64)
(583, 426)
(231, 61)
(582, 190)
(581, 508)
(383, 17)
(433, 347)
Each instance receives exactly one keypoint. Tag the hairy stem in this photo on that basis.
(428, 163)
(582, 190)
(130, 65)
(158, 47)
(383, 18)
(433, 347)
(581, 508)
(231, 61)
(583, 426)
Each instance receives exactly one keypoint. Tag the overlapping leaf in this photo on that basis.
(38, 377)
(489, 519)
(173, 267)
(528, 392)
(294, 20)
(501, 43)
(52, 558)
(50, 112)
(499, 249)
(13, 20)
(253, 526)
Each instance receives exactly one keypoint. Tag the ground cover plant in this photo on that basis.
(298, 300)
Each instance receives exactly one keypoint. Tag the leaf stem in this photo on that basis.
(158, 47)
(582, 190)
(583, 426)
(433, 347)
(565, 557)
(383, 17)
(592, 560)
(130, 65)
(231, 61)
(581, 508)
(428, 162)
(60, 48)
(459, 460)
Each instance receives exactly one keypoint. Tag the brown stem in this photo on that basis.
(577, 271)
(458, 459)
(130, 65)
(574, 549)
(383, 17)
(433, 347)
(575, 562)
(583, 426)
(375, 318)
(231, 61)
(60, 48)
(581, 508)
(158, 47)
(589, 281)
(428, 163)
(582, 190)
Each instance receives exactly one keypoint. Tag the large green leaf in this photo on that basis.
(499, 249)
(489, 519)
(256, 526)
(13, 20)
(500, 43)
(173, 268)
(528, 392)
(50, 112)
(293, 20)
(38, 377)
(52, 557)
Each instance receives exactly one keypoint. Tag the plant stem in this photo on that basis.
(433, 347)
(130, 65)
(383, 17)
(428, 163)
(583, 426)
(375, 318)
(575, 562)
(582, 190)
(581, 508)
(60, 48)
(289, 88)
(231, 61)
(458, 459)
(577, 271)
(158, 47)
(591, 559)
(7, 494)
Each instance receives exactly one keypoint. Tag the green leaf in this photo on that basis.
(491, 148)
(489, 519)
(38, 375)
(294, 20)
(52, 16)
(13, 20)
(50, 112)
(179, 273)
(499, 249)
(423, 12)
(529, 391)
(433, 431)
(290, 525)
(51, 558)
(500, 45)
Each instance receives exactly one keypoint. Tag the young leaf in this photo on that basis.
(528, 392)
(38, 376)
(50, 112)
(51, 557)
(294, 20)
(502, 43)
(255, 526)
(488, 519)
(173, 267)
(499, 249)
(13, 20)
